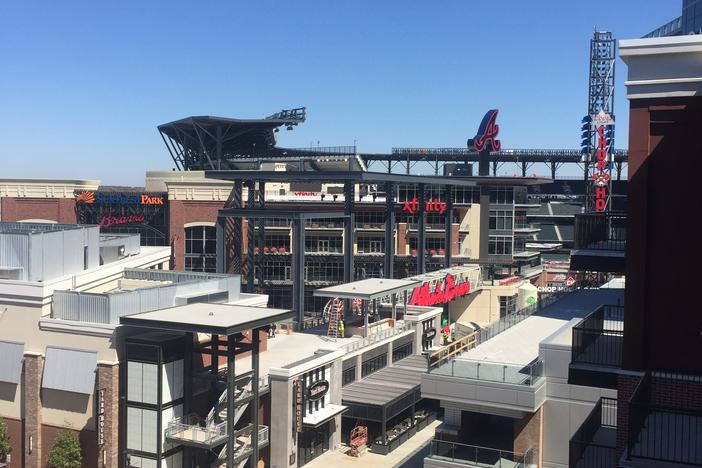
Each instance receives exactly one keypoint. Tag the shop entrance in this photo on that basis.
(311, 443)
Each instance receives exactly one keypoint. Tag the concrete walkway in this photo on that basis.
(405, 456)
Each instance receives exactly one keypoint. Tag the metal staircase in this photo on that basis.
(211, 432)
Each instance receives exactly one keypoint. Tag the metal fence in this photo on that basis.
(598, 339)
(600, 231)
(376, 337)
(584, 451)
(478, 456)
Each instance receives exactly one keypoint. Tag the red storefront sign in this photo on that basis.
(601, 176)
(431, 206)
(446, 290)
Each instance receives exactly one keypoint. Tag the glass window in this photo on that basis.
(501, 195)
(142, 433)
(201, 248)
(374, 364)
(402, 351)
(142, 382)
(508, 305)
(168, 415)
(172, 387)
(500, 245)
(140, 462)
(501, 219)
(349, 376)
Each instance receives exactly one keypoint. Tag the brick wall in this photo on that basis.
(181, 213)
(88, 447)
(528, 434)
(108, 380)
(31, 394)
(61, 210)
(677, 392)
(14, 431)
(626, 384)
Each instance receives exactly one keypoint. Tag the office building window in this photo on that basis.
(142, 430)
(502, 195)
(501, 219)
(326, 244)
(508, 305)
(201, 248)
(371, 245)
(500, 245)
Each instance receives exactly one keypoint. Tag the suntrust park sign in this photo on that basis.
(118, 198)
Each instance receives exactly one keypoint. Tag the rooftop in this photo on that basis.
(219, 319)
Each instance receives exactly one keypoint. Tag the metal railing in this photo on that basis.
(400, 327)
(663, 424)
(600, 231)
(478, 456)
(192, 427)
(502, 372)
(598, 339)
(584, 452)
(451, 350)
(510, 320)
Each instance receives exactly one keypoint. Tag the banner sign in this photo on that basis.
(431, 206)
(317, 390)
(101, 417)
(486, 138)
(443, 291)
(297, 408)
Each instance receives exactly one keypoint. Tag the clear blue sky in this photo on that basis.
(83, 85)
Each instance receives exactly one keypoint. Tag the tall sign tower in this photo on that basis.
(597, 139)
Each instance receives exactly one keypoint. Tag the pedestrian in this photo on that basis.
(341, 329)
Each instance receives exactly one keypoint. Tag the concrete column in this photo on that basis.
(528, 434)
(283, 440)
(359, 364)
(108, 383)
(31, 395)
(335, 371)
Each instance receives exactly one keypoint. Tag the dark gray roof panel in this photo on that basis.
(11, 354)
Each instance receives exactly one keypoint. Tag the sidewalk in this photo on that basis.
(372, 460)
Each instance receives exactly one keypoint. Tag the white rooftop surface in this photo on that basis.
(520, 344)
(286, 349)
(368, 288)
(202, 316)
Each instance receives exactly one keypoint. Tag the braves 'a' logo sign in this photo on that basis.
(487, 133)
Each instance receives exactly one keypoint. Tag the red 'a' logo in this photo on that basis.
(487, 133)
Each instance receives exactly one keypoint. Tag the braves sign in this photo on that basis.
(486, 138)
(445, 291)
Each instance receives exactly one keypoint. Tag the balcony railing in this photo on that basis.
(664, 425)
(598, 338)
(516, 374)
(473, 455)
(594, 443)
(600, 231)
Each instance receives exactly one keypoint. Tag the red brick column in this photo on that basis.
(107, 423)
(401, 239)
(31, 390)
(626, 384)
(455, 241)
(528, 434)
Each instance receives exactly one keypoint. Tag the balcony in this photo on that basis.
(665, 421)
(596, 354)
(446, 454)
(594, 444)
(600, 242)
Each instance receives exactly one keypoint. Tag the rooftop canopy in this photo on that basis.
(217, 319)
(368, 289)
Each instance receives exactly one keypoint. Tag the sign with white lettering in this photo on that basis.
(101, 417)
(317, 390)
(297, 408)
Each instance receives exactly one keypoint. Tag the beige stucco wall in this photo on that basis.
(471, 221)
(482, 306)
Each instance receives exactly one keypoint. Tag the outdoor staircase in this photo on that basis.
(211, 432)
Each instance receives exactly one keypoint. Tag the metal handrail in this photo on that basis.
(376, 337)
(475, 454)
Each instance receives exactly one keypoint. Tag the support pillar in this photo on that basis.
(31, 389)
(421, 230)
(484, 163)
(448, 239)
(389, 230)
(298, 271)
(108, 391)
(251, 188)
(214, 364)
(255, 339)
(231, 403)
(261, 196)
(349, 222)
(234, 248)
(221, 261)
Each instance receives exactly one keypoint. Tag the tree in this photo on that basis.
(66, 451)
(5, 447)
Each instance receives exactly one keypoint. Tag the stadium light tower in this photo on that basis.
(597, 137)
